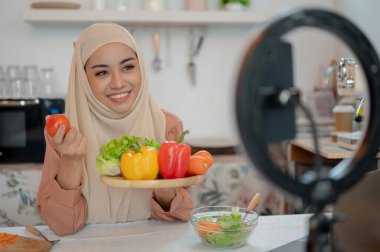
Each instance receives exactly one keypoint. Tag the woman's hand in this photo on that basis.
(164, 197)
(72, 148)
(72, 145)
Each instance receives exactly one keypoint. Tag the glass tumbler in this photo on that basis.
(47, 82)
(15, 81)
(3, 84)
(32, 79)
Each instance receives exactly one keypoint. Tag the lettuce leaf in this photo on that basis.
(233, 234)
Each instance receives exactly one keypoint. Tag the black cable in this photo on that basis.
(317, 157)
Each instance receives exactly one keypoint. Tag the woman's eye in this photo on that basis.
(128, 67)
(101, 73)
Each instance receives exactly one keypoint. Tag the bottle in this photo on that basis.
(357, 123)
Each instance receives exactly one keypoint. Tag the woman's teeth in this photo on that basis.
(118, 96)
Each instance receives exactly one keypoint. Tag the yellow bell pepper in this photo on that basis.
(140, 165)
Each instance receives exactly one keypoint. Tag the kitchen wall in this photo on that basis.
(207, 107)
(365, 14)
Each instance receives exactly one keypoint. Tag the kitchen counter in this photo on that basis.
(231, 181)
(150, 235)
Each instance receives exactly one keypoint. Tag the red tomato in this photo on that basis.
(53, 123)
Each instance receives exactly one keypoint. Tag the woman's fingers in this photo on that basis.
(83, 145)
(74, 144)
(70, 136)
(58, 138)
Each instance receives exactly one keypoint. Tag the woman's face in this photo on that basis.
(114, 75)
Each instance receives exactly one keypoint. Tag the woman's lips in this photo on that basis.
(120, 97)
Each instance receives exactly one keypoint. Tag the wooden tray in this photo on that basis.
(121, 182)
(28, 244)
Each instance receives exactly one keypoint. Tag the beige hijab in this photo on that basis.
(100, 124)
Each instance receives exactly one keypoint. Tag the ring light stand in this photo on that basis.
(259, 102)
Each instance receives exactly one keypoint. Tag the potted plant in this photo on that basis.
(234, 4)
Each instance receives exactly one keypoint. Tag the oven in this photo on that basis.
(22, 123)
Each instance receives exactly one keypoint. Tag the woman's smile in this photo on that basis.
(120, 97)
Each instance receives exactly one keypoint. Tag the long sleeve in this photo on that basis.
(64, 211)
(180, 208)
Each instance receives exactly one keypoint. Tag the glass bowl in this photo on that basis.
(223, 226)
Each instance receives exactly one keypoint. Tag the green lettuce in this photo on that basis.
(233, 234)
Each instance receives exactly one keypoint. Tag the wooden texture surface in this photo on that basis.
(55, 5)
(121, 182)
(328, 149)
(28, 245)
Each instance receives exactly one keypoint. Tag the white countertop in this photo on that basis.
(150, 235)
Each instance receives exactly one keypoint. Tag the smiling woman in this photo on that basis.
(107, 98)
(114, 75)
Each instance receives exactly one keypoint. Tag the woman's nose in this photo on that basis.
(117, 81)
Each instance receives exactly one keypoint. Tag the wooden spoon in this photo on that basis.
(254, 201)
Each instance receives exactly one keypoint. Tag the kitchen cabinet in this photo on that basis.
(151, 18)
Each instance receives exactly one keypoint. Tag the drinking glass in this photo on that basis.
(3, 84)
(15, 81)
(47, 81)
(32, 80)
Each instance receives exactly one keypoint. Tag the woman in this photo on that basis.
(107, 97)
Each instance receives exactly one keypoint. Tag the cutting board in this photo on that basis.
(28, 245)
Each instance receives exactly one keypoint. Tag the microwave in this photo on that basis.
(22, 123)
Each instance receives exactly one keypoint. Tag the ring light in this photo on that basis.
(255, 97)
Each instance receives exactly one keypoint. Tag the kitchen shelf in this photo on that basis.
(43, 16)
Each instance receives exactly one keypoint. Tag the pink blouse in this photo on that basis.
(65, 211)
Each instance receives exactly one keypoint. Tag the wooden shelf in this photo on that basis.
(44, 16)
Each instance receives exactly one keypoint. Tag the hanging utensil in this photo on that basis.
(191, 65)
(199, 45)
(156, 64)
(168, 48)
(254, 201)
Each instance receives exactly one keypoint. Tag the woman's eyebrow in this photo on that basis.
(121, 62)
(100, 65)
(126, 60)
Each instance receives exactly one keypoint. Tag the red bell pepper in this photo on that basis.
(174, 158)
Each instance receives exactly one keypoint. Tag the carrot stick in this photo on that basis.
(13, 239)
(6, 238)
(210, 224)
